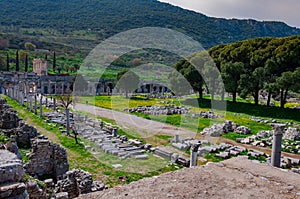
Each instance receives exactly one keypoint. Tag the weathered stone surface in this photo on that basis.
(11, 173)
(242, 130)
(34, 190)
(13, 190)
(47, 158)
(62, 195)
(291, 134)
(11, 168)
(78, 182)
(8, 118)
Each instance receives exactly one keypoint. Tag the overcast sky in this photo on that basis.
(287, 11)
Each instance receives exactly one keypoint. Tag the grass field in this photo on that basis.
(240, 113)
(99, 164)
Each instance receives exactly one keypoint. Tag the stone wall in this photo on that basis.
(47, 159)
(11, 174)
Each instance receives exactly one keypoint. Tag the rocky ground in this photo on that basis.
(233, 178)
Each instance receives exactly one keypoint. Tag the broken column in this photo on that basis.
(67, 121)
(276, 147)
(54, 104)
(35, 104)
(41, 107)
(115, 132)
(30, 103)
(46, 102)
(176, 138)
(194, 154)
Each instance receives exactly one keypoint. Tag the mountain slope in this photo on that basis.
(107, 17)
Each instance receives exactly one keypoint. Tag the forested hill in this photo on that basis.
(107, 17)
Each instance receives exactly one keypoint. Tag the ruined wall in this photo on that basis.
(47, 159)
(11, 174)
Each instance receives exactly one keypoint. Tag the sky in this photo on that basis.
(287, 11)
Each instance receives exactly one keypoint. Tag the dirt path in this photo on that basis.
(143, 127)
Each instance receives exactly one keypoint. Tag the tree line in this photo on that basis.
(247, 67)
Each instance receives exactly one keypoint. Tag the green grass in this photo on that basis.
(3, 139)
(80, 158)
(239, 113)
(234, 136)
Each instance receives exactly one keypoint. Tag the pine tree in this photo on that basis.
(17, 61)
(26, 63)
(7, 62)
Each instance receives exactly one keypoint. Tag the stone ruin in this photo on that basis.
(11, 175)
(77, 182)
(292, 134)
(264, 138)
(13, 127)
(159, 110)
(228, 126)
(47, 159)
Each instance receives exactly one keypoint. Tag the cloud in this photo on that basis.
(274, 10)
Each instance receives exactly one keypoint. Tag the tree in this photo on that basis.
(66, 101)
(26, 63)
(29, 46)
(7, 62)
(252, 83)
(17, 61)
(288, 81)
(271, 72)
(231, 74)
(191, 69)
(179, 84)
(128, 81)
(54, 62)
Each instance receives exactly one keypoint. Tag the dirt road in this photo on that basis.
(136, 125)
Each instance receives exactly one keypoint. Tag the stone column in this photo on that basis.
(35, 104)
(194, 154)
(115, 132)
(30, 104)
(68, 122)
(54, 104)
(41, 106)
(22, 99)
(176, 138)
(276, 147)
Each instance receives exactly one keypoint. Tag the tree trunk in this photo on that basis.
(200, 91)
(256, 96)
(234, 96)
(269, 98)
(282, 99)
(68, 122)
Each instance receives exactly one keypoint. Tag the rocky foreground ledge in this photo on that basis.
(233, 178)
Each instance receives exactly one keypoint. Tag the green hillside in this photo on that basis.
(103, 18)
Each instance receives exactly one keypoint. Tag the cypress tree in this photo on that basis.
(26, 63)
(17, 61)
(54, 61)
(7, 62)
